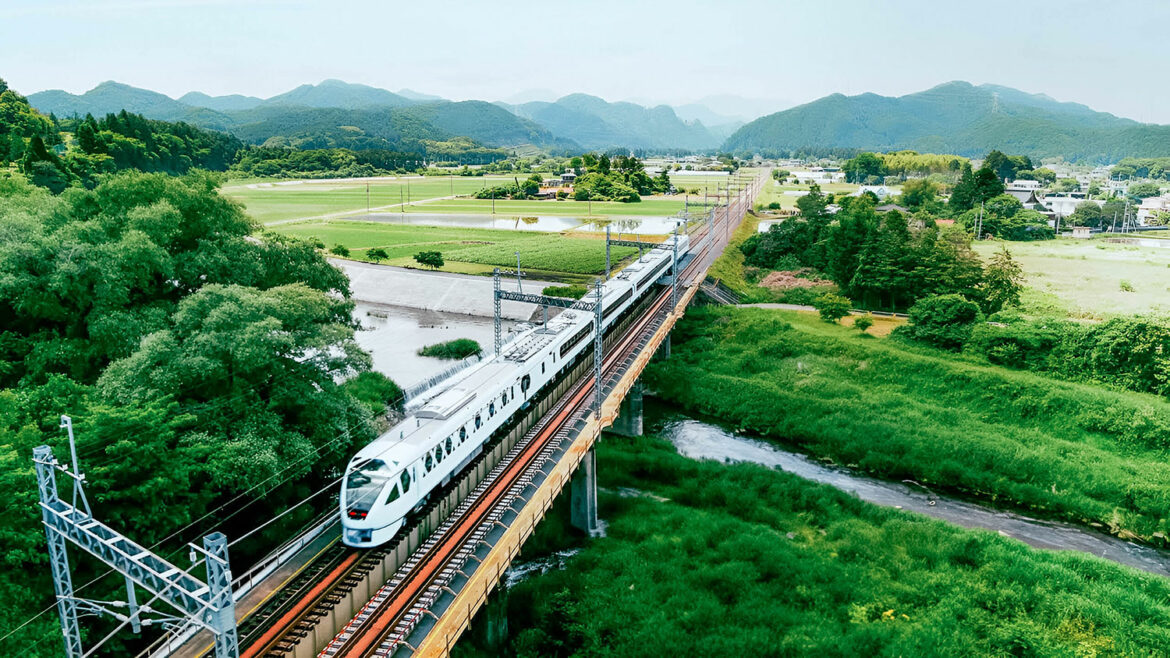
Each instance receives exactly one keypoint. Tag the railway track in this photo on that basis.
(387, 619)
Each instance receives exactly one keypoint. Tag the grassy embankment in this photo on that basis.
(1084, 278)
(572, 258)
(1076, 452)
(739, 560)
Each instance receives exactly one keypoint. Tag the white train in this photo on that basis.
(395, 473)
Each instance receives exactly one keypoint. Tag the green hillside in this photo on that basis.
(955, 117)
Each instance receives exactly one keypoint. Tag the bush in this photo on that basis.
(375, 391)
(431, 259)
(832, 307)
(942, 320)
(575, 291)
(863, 323)
(376, 254)
(1126, 286)
(340, 250)
(460, 348)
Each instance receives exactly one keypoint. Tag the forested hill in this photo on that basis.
(597, 124)
(955, 117)
(331, 114)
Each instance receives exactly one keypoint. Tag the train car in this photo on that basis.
(396, 473)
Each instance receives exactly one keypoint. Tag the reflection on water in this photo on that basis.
(394, 334)
(554, 224)
(700, 440)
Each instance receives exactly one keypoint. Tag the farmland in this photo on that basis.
(467, 250)
(1084, 278)
(658, 207)
(775, 192)
(271, 202)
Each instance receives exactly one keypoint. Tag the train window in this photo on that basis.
(492, 409)
(405, 481)
(448, 445)
(393, 495)
(430, 463)
(504, 398)
(478, 422)
(462, 433)
(542, 367)
(439, 453)
(525, 383)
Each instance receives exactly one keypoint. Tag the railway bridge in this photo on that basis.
(416, 595)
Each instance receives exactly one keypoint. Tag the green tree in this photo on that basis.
(832, 307)
(1003, 280)
(1144, 190)
(1087, 213)
(942, 321)
(863, 322)
(340, 250)
(864, 166)
(918, 192)
(963, 196)
(377, 254)
(431, 259)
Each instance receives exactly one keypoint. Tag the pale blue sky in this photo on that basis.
(1111, 55)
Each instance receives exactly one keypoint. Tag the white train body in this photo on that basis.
(395, 473)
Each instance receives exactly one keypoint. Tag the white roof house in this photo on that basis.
(1064, 205)
(881, 191)
(1151, 205)
(1021, 184)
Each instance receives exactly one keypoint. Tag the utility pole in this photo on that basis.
(607, 252)
(367, 198)
(496, 303)
(519, 283)
(206, 604)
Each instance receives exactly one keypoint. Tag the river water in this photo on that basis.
(700, 440)
(394, 334)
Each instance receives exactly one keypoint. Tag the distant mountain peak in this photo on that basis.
(952, 117)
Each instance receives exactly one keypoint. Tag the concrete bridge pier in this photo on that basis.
(629, 420)
(583, 496)
(663, 352)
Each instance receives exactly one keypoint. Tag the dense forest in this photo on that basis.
(199, 361)
(955, 117)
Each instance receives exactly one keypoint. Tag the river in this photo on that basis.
(394, 334)
(701, 440)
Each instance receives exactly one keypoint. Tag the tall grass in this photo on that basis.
(706, 559)
(1071, 451)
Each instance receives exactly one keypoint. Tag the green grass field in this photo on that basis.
(656, 207)
(1078, 452)
(774, 191)
(467, 250)
(1083, 278)
(273, 203)
(710, 559)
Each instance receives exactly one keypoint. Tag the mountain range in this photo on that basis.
(340, 113)
(955, 117)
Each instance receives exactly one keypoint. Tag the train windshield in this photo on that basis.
(365, 481)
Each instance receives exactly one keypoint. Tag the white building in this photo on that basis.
(1063, 205)
(1024, 185)
(1151, 205)
(881, 191)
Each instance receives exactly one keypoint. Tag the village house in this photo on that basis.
(1151, 206)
